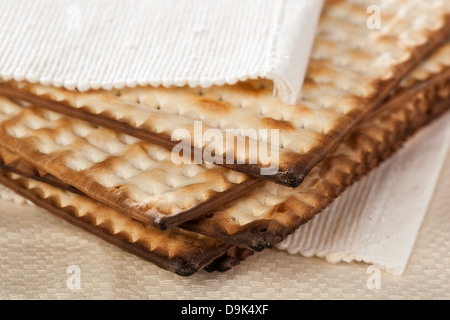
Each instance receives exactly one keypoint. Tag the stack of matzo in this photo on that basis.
(102, 159)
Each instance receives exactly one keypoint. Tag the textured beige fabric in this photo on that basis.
(36, 249)
(376, 220)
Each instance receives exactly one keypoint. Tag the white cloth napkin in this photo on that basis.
(88, 44)
(377, 220)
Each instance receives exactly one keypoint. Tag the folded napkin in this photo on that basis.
(88, 44)
(377, 219)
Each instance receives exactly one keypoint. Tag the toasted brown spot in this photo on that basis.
(278, 124)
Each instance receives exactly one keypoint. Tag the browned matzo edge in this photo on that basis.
(365, 147)
(403, 95)
(14, 163)
(334, 63)
(182, 253)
